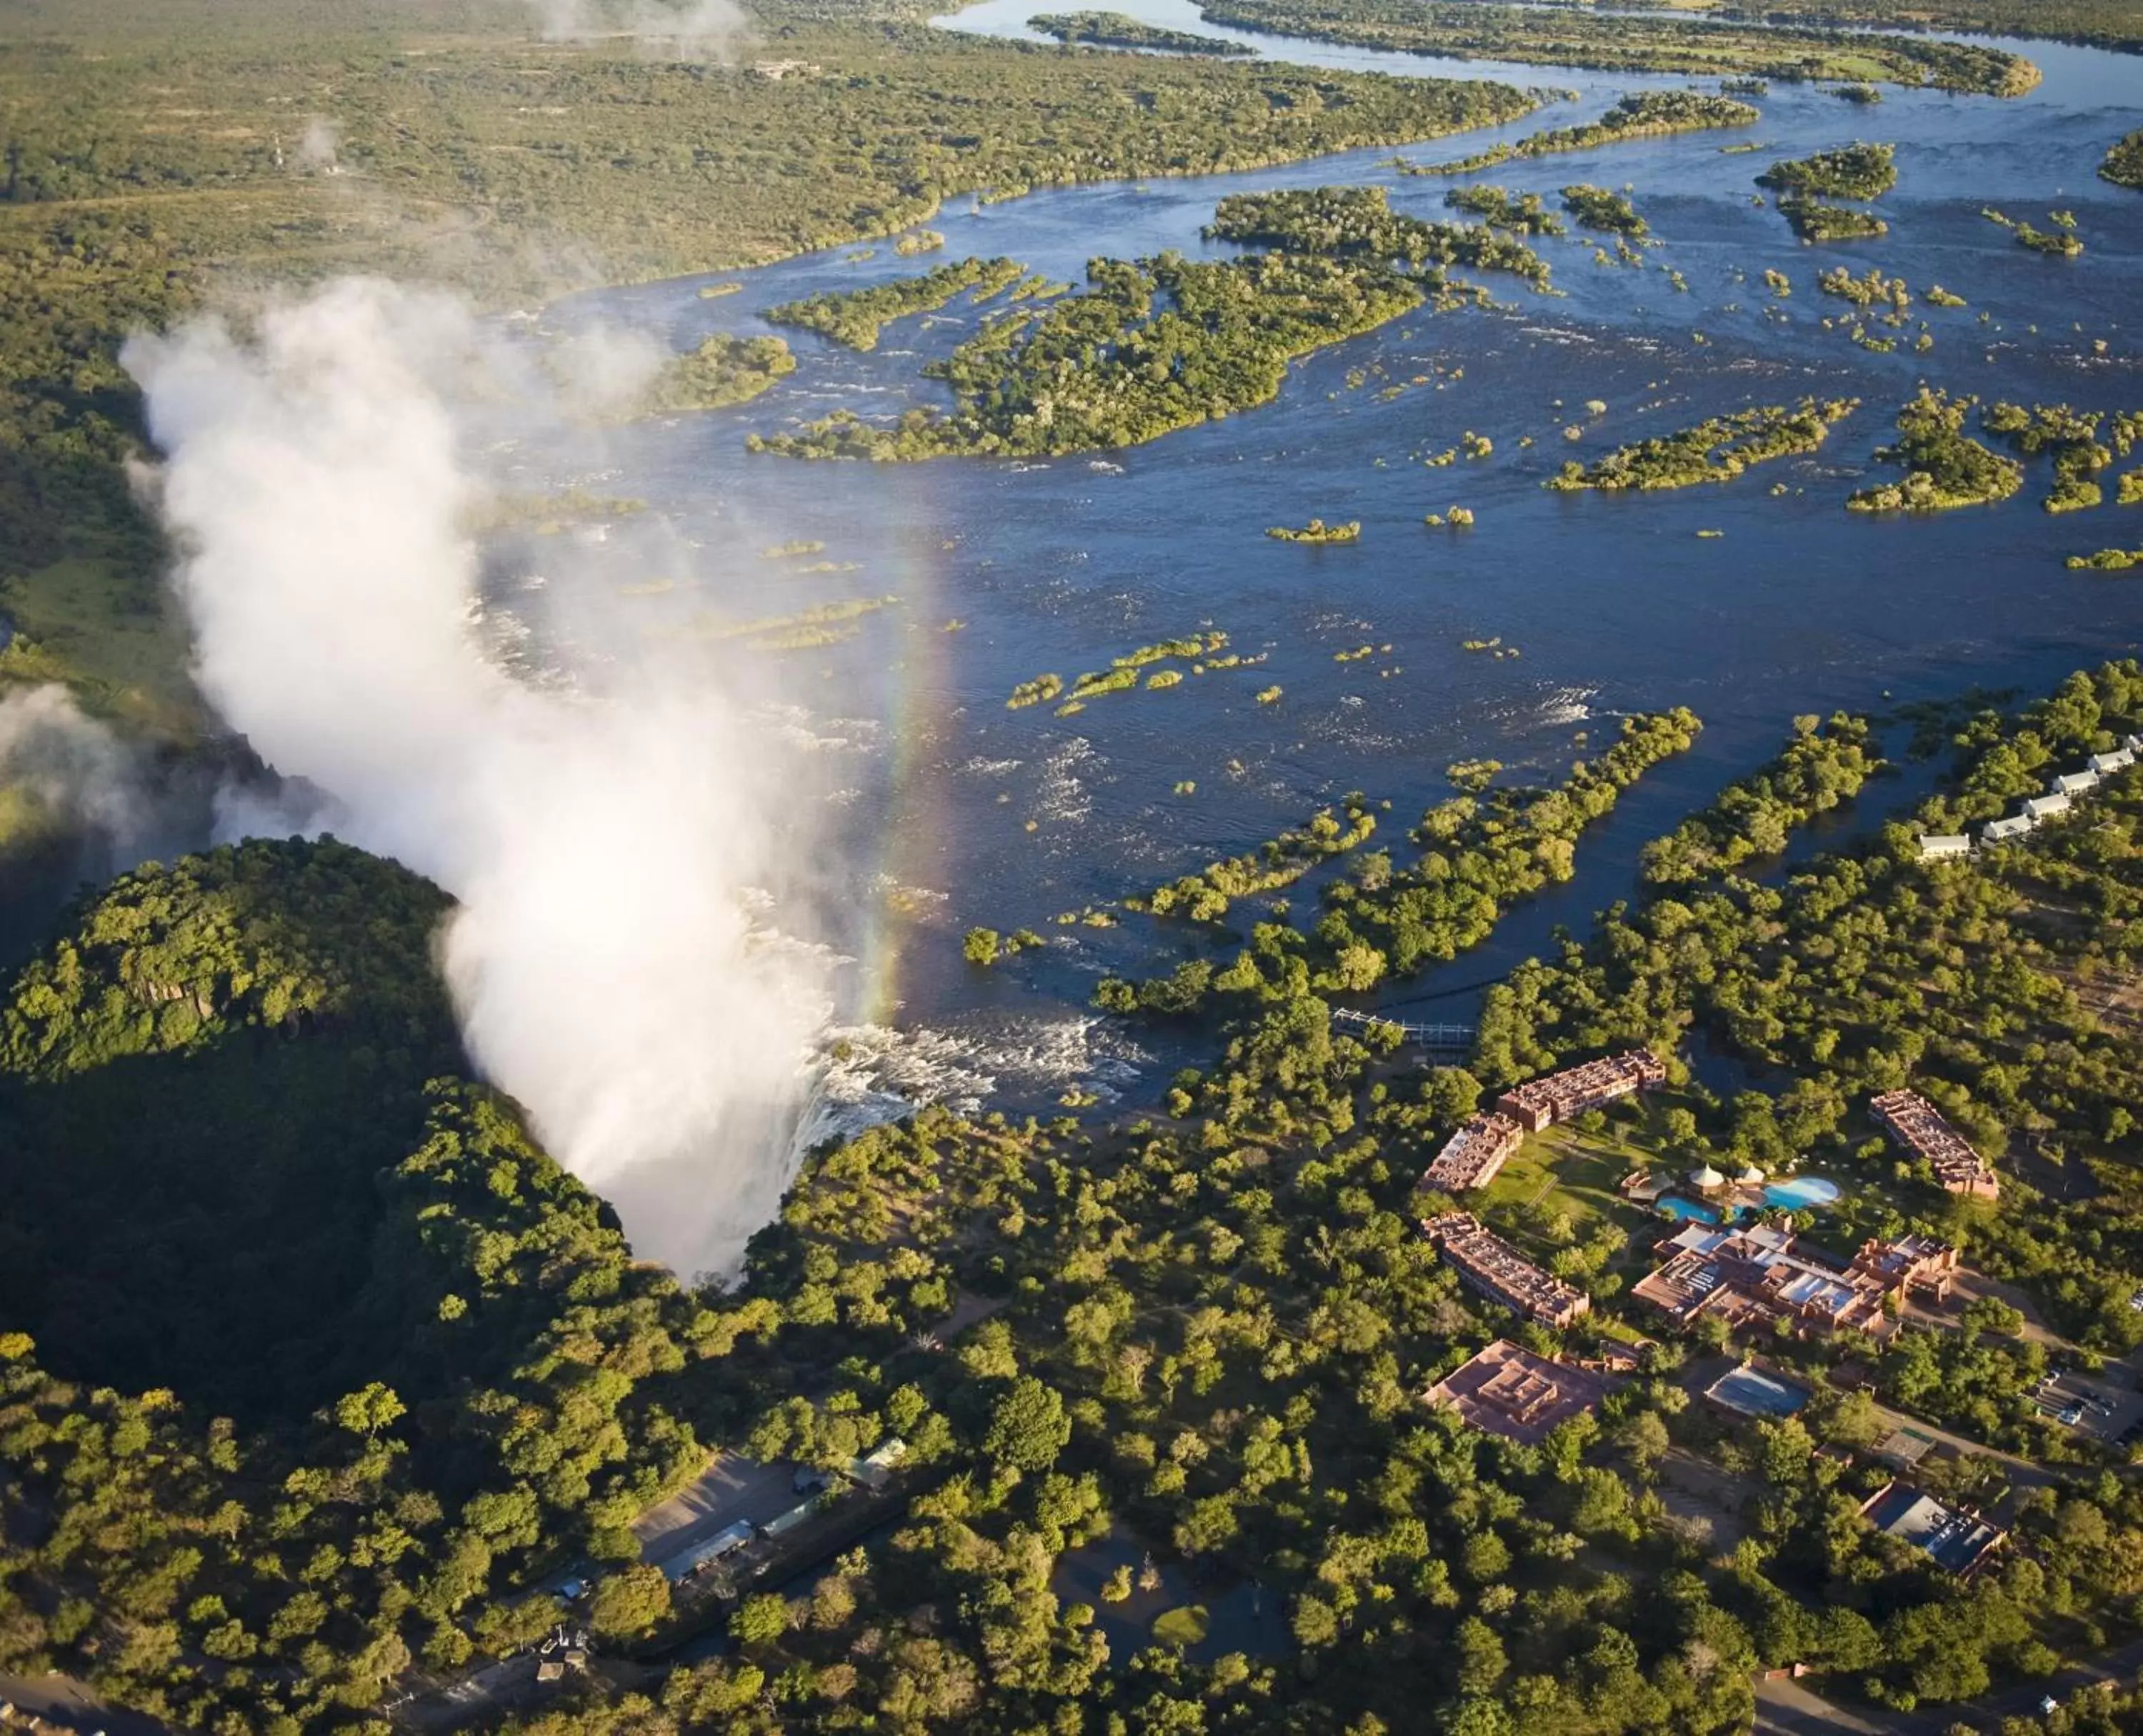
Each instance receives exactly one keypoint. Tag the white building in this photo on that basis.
(1935, 845)
(2074, 784)
(2002, 831)
(2045, 808)
(2119, 760)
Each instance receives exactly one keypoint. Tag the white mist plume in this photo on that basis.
(603, 845)
(318, 145)
(676, 29)
(74, 773)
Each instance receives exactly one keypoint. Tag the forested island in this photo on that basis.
(1602, 208)
(1945, 467)
(1853, 172)
(1521, 213)
(1715, 450)
(1117, 30)
(1640, 115)
(724, 370)
(1154, 345)
(855, 316)
(1631, 43)
(2124, 163)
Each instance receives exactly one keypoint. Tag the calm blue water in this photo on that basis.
(1803, 1193)
(1006, 817)
(1685, 1211)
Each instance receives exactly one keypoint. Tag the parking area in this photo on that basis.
(732, 1489)
(2090, 1407)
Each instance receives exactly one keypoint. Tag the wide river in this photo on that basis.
(975, 814)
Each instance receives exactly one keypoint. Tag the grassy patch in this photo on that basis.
(118, 643)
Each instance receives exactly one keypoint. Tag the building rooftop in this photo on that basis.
(1958, 1540)
(1508, 1390)
(1472, 1157)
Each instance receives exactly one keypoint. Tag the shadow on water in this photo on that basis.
(1238, 1616)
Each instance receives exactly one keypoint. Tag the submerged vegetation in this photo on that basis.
(1944, 467)
(1119, 30)
(1631, 43)
(1716, 450)
(1163, 344)
(855, 316)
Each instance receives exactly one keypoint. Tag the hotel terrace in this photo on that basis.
(1540, 1103)
(1473, 1154)
(1918, 1127)
(1757, 1277)
(1499, 1272)
(1508, 1390)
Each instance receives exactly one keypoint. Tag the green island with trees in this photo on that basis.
(723, 371)
(1945, 467)
(1317, 530)
(1826, 764)
(856, 317)
(1155, 345)
(1118, 30)
(1852, 172)
(1632, 42)
(2073, 438)
(1602, 208)
(1639, 115)
(2124, 161)
(1715, 450)
(1521, 213)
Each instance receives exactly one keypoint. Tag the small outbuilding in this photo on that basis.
(1936, 846)
(2047, 807)
(2008, 830)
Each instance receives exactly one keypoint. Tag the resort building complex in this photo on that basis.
(1508, 1390)
(1761, 1276)
(1540, 1103)
(1498, 1271)
(1473, 1156)
(1918, 1127)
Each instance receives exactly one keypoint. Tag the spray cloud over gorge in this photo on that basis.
(608, 839)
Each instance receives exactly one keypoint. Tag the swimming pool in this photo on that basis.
(1672, 1205)
(1754, 1393)
(1801, 1194)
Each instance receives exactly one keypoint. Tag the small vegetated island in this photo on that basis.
(1153, 345)
(1716, 450)
(1577, 37)
(856, 317)
(2124, 163)
(1317, 530)
(1202, 651)
(1521, 213)
(1600, 207)
(1855, 171)
(1119, 30)
(1944, 467)
(1640, 115)
(723, 371)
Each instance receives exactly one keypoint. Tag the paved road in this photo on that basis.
(73, 1705)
